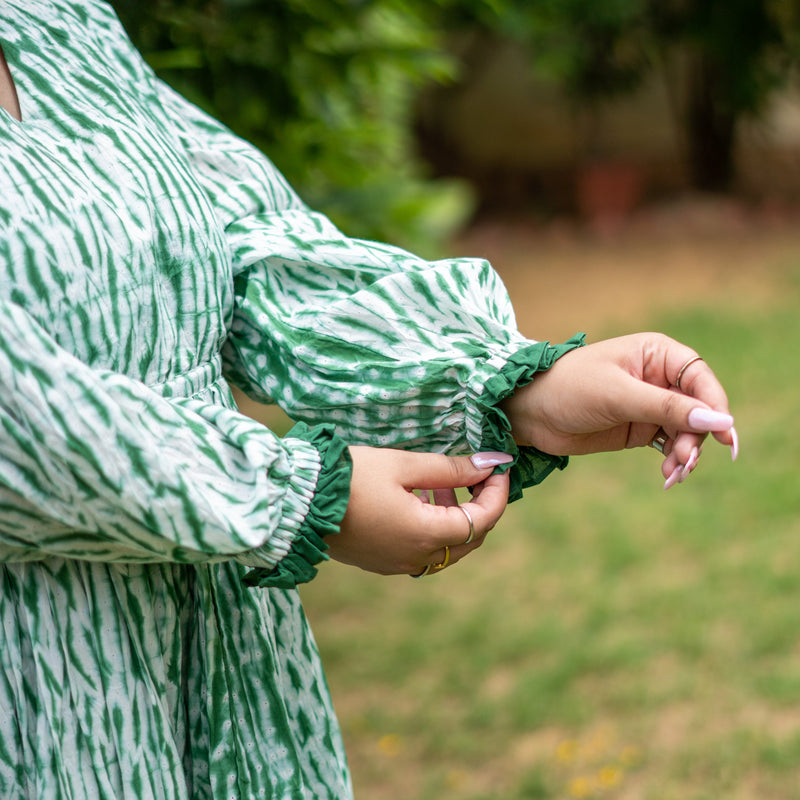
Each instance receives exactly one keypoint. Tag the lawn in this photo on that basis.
(610, 639)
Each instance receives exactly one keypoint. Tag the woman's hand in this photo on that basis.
(616, 394)
(390, 527)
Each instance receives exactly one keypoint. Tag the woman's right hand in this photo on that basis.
(392, 528)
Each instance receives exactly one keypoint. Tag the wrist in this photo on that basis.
(520, 409)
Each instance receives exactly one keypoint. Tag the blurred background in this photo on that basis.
(624, 164)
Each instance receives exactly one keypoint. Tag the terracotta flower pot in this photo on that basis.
(607, 192)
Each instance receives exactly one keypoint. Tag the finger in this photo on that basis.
(445, 497)
(450, 525)
(685, 445)
(679, 445)
(485, 509)
(696, 380)
(437, 471)
(673, 411)
(676, 469)
(488, 503)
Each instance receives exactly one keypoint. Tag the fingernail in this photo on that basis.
(674, 477)
(734, 444)
(490, 459)
(686, 471)
(704, 419)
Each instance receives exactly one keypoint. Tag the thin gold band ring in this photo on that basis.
(687, 364)
(444, 562)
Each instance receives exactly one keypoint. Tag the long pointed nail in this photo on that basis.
(686, 471)
(734, 444)
(674, 477)
(706, 420)
(490, 459)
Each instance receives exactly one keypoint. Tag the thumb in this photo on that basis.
(436, 471)
(673, 410)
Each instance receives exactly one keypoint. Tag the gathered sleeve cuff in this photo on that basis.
(491, 427)
(318, 504)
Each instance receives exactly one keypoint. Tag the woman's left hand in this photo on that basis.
(616, 394)
(391, 526)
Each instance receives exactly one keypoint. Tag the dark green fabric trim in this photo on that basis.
(530, 466)
(324, 515)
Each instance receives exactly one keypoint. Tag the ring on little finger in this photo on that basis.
(423, 573)
(435, 567)
(659, 440)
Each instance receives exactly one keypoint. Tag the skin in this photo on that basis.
(8, 92)
(389, 528)
(610, 395)
(614, 395)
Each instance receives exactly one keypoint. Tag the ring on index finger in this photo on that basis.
(659, 440)
(686, 364)
(471, 525)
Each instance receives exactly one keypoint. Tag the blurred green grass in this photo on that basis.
(610, 640)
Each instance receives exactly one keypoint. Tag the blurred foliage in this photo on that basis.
(326, 89)
(723, 59)
(593, 50)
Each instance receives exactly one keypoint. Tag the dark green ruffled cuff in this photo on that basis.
(530, 466)
(324, 516)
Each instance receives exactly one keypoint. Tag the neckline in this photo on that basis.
(9, 96)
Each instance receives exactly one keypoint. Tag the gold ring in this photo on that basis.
(444, 562)
(436, 567)
(471, 525)
(659, 440)
(683, 369)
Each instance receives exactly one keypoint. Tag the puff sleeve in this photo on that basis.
(98, 466)
(389, 348)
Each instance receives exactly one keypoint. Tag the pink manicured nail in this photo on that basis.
(674, 477)
(734, 444)
(686, 471)
(490, 459)
(704, 419)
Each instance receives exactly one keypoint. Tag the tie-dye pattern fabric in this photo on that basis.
(148, 256)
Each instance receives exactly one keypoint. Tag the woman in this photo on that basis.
(151, 536)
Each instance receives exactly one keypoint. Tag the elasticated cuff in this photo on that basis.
(530, 466)
(324, 516)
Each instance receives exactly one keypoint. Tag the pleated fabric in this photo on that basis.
(147, 258)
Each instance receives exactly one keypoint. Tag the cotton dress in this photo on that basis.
(152, 643)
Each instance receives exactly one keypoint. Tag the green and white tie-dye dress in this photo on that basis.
(152, 644)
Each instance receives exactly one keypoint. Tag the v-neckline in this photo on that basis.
(9, 97)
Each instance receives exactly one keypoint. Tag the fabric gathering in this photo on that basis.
(151, 535)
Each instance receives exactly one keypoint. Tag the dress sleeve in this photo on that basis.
(95, 465)
(391, 349)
